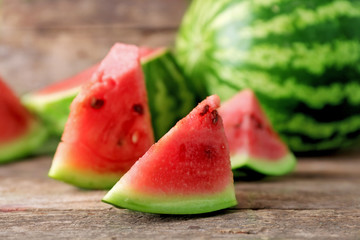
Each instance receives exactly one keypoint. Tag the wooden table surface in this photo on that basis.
(43, 41)
(320, 200)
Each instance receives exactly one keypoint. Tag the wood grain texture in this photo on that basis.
(44, 41)
(321, 200)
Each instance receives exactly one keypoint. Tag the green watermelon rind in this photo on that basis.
(81, 176)
(52, 108)
(169, 94)
(25, 145)
(268, 167)
(274, 47)
(123, 197)
(85, 179)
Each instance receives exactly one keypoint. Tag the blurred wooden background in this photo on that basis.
(43, 41)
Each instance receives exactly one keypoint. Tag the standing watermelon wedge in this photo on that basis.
(109, 126)
(186, 172)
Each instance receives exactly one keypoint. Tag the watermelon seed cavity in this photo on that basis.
(135, 137)
(215, 117)
(96, 103)
(208, 153)
(205, 110)
(138, 108)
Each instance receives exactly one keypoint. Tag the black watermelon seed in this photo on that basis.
(205, 110)
(138, 108)
(96, 103)
(215, 117)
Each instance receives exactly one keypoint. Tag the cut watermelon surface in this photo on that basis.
(20, 133)
(109, 126)
(187, 171)
(252, 141)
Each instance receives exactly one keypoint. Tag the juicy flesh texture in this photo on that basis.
(110, 116)
(14, 116)
(192, 158)
(248, 130)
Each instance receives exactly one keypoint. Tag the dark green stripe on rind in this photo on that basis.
(169, 96)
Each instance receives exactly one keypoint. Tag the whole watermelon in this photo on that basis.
(301, 58)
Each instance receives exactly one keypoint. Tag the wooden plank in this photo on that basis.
(321, 200)
(327, 185)
(120, 224)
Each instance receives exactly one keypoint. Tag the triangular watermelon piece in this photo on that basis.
(253, 143)
(186, 172)
(21, 133)
(109, 126)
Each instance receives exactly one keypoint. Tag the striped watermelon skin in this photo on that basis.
(301, 58)
(169, 93)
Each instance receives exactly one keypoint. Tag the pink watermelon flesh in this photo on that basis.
(109, 125)
(252, 138)
(187, 171)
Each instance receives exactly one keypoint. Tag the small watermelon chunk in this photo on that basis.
(252, 141)
(21, 134)
(109, 126)
(187, 171)
(52, 103)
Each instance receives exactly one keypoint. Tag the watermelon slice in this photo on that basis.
(187, 171)
(109, 125)
(169, 96)
(252, 141)
(21, 134)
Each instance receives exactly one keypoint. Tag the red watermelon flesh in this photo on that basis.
(251, 135)
(14, 116)
(109, 125)
(21, 134)
(187, 171)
